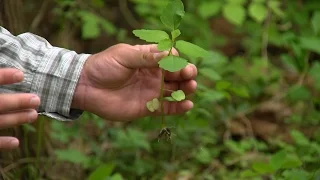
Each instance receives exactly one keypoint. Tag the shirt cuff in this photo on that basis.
(55, 80)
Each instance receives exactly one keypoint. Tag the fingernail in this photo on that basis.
(35, 101)
(14, 143)
(32, 116)
(18, 76)
(156, 55)
(189, 72)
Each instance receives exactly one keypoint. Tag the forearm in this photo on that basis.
(50, 72)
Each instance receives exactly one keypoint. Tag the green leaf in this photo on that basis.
(299, 138)
(90, 30)
(291, 162)
(203, 155)
(299, 93)
(210, 73)
(236, 14)
(150, 106)
(258, 12)
(310, 43)
(248, 173)
(315, 21)
(73, 156)
(241, 91)
(315, 75)
(165, 45)
(278, 159)
(173, 14)
(172, 63)
(209, 9)
(116, 177)
(275, 6)
(102, 172)
(212, 95)
(90, 25)
(178, 95)
(153, 105)
(191, 50)
(296, 174)
(151, 35)
(175, 33)
(108, 27)
(262, 167)
(223, 85)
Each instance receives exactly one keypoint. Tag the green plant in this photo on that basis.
(171, 18)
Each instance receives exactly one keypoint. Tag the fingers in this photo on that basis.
(174, 108)
(188, 87)
(187, 73)
(8, 143)
(10, 76)
(132, 57)
(153, 48)
(11, 119)
(14, 102)
(151, 55)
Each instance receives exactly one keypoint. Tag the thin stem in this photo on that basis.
(161, 99)
(163, 122)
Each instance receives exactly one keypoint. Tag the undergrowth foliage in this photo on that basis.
(171, 18)
(256, 112)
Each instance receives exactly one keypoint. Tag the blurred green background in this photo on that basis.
(257, 106)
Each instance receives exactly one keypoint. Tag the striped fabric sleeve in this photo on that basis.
(50, 72)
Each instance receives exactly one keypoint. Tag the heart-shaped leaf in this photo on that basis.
(178, 95)
(172, 63)
(151, 35)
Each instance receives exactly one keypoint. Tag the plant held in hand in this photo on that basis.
(170, 18)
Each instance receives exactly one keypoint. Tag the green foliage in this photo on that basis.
(102, 172)
(178, 95)
(151, 35)
(153, 105)
(256, 109)
(191, 50)
(235, 13)
(73, 156)
(173, 14)
(173, 63)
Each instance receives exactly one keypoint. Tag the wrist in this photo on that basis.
(79, 96)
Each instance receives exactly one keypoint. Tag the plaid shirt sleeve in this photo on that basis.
(50, 72)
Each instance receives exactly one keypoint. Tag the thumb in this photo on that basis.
(144, 59)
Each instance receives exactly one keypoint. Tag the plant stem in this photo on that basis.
(163, 122)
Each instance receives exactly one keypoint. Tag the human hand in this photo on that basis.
(116, 83)
(15, 109)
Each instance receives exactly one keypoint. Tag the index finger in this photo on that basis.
(153, 48)
(8, 143)
(10, 76)
(187, 73)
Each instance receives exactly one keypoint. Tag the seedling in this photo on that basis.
(171, 18)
